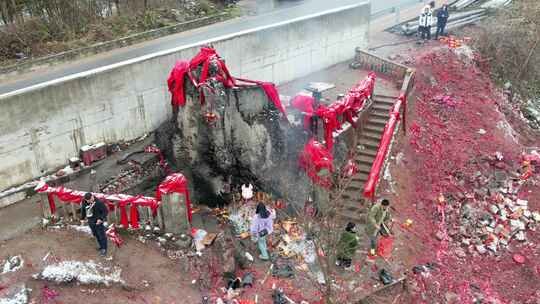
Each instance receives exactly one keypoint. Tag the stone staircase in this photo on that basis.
(354, 206)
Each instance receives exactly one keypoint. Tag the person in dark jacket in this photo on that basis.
(347, 245)
(442, 19)
(95, 212)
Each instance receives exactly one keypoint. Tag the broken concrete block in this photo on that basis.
(521, 202)
(520, 236)
(536, 216)
(517, 225)
(493, 209)
(481, 249)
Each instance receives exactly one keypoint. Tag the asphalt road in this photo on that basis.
(279, 11)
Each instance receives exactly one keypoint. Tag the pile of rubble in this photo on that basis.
(17, 294)
(490, 220)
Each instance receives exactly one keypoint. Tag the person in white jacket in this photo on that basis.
(424, 23)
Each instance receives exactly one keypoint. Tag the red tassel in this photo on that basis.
(134, 216)
(52, 205)
(188, 206)
(123, 216)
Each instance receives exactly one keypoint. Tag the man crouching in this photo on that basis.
(95, 212)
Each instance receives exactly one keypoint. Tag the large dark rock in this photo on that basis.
(250, 142)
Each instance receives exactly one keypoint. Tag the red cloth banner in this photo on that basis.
(204, 58)
(382, 151)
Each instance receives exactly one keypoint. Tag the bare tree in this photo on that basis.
(511, 43)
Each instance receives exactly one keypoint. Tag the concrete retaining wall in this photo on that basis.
(42, 126)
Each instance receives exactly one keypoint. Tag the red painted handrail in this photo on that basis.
(382, 151)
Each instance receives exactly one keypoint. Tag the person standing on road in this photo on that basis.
(377, 224)
(442, 19)
(262, 225)
(424, 23)
(95, 212)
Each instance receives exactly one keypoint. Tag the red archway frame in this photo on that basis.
(175, 182)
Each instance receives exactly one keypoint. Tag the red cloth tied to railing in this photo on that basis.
(315, 158)
(205, 57)
(348, 107)
(382, 151)
(304, 104)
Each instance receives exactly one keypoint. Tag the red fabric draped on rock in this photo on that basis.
(205, 57)
(175, 183)
(315, 158)
(270, 91)
(304, 104)
(176, 83)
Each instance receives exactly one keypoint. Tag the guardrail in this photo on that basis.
(390, 130)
